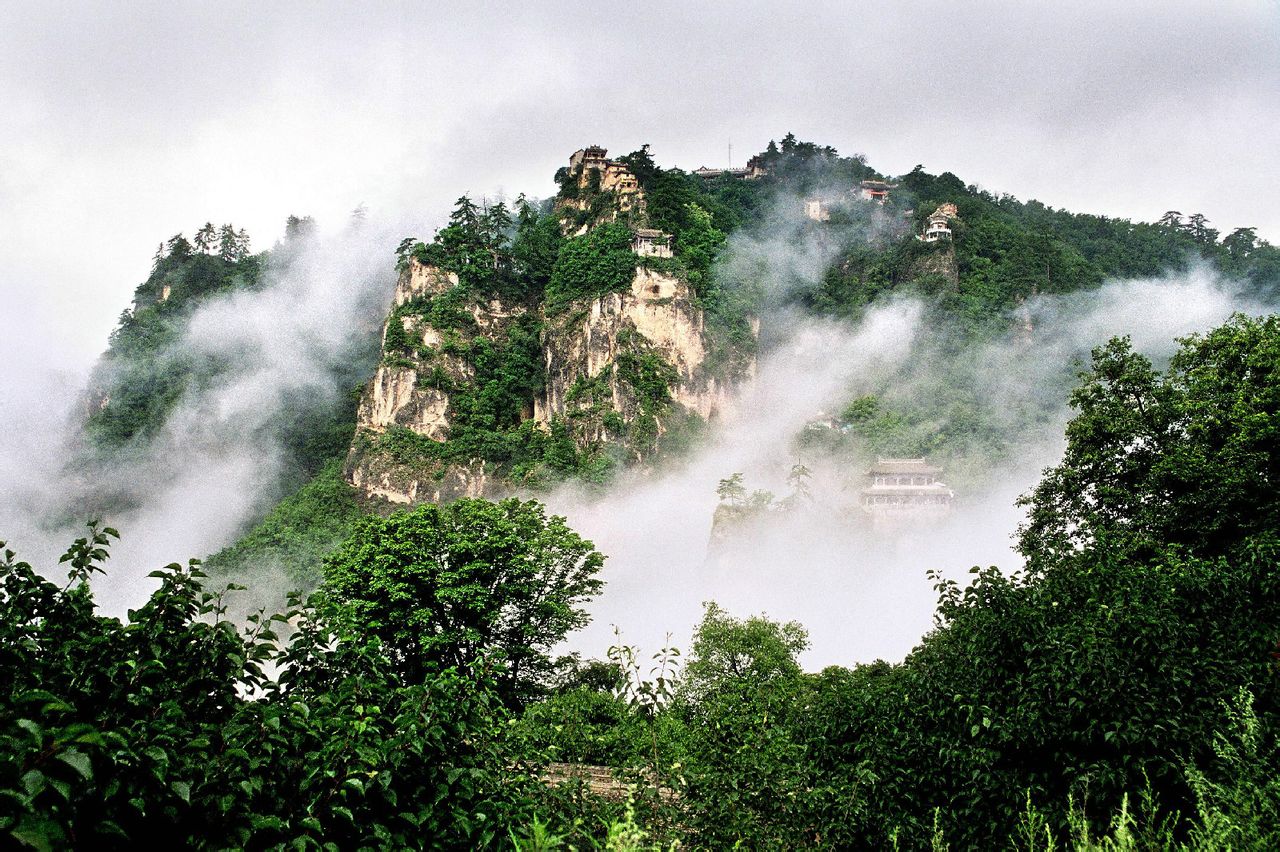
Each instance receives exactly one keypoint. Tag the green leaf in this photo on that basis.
(33, 782)
(79, 761)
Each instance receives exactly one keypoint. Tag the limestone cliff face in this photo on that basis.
(414, 390)
(620, 369)
(657, 316)
(380, 476)
(419, 279)
(409, 391)
(941, 262)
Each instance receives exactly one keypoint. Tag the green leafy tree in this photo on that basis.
(1239, 245)
(741, 697)
(1184, 458)
(698, 245)
(448, 585)
(536, 246)
(731, 490)
(740, 655)
(592, 265)
(115, 733)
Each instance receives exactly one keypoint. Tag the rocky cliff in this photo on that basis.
(940, 261)
(619, 343)
(611, 375)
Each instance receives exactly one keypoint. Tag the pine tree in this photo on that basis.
(205, 237)
(178, 248)
(1198, 227)
(227, 244)
(731, 490)
(494, 227)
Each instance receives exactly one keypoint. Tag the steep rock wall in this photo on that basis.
(413, 390)
(637, 357)
(419, 279)
(657, 315)
(941, 262)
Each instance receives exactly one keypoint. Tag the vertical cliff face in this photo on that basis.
(413, 393)
(614, 356)
(396, 396)
(615, 372)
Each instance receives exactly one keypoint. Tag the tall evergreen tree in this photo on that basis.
(205, 237)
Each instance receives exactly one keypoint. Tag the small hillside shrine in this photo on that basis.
(875, 190)
(905, 490)
(650, 242)
(938, 225)
(817, 210)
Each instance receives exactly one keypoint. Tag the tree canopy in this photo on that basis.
(1186, 458)
(449, 585)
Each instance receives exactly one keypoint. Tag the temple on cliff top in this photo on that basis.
(938, 225)
(875, 190)
(905, 490)
(613, 176)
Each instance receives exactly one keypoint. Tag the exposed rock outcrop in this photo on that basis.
(419, 279)
(656, 316)
(412, 390)
(386, 477)
(618, 367)
(940, 261)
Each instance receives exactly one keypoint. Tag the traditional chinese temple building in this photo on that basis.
(905, 490)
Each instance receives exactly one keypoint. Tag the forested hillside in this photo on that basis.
(544, 263)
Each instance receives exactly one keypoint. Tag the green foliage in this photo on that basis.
(1147, 454)
(508, 374)
(698, 246)
(584, 725)
(1102, 671)
(747, 765)
(651, 378)
(113, 733)
(732, 656)
(450, 585)
(592, 265)
(536, 247)
(1121, 694)
(297, 533)
(144, 373)
(1007, 250)
(944, 409)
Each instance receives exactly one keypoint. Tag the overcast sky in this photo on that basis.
(123, 124)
